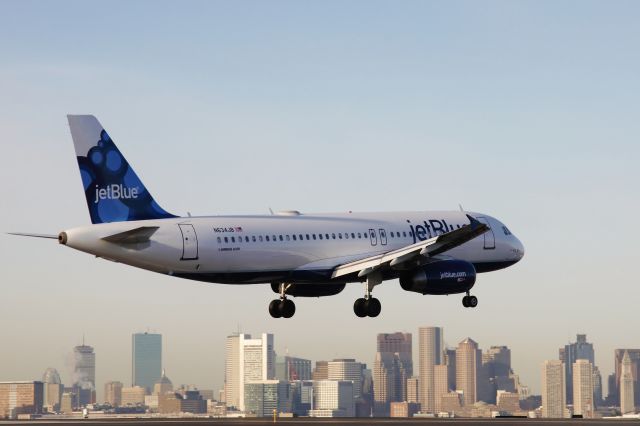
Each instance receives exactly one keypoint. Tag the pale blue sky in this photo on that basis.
(527, 111)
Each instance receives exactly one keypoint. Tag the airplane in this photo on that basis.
(299, 255)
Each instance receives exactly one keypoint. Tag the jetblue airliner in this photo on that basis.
(299, 255)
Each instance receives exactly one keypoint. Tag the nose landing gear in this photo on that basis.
(283, 307)
(469, 301)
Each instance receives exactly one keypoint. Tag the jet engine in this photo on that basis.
(310, 290)
(440, 277)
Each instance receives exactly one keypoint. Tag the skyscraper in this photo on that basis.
(583, 388)
(627, 402)
(553, 389)
(247, 360)
(84, 375)
(163, 385)
(113, 393)
(289, 368)
(440, 384)
(349, 370)
(393, 366)
(634, 357)
(572, 352)
(146, 360)
(53, 389)
(468, 364)
(431, 347)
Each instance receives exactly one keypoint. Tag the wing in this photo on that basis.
(427, 248)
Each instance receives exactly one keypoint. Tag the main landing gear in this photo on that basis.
(283, 307)
(469, 301)
(368, 306)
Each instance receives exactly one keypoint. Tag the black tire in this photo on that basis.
(465, 301)
(473, 301)
(287, 308)
(373, 307)
(274, 308)
(359, 308)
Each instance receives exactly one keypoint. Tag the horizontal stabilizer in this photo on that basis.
(134, 236)
(24, 234)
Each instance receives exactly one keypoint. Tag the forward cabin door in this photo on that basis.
(189, 242)
(373, 237)
(383, 236)
(489, 236)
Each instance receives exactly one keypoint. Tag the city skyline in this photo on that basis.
(485, 353)
(524, 110)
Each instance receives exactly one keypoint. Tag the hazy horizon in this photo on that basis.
(527, 111)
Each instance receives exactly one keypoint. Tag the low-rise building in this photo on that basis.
(20, 398)
(403, 409)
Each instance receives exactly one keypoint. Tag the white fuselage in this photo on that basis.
(289, 247)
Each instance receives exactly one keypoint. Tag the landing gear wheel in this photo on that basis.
(360, 308)
(472, 301)
(274, 308)
(287, 308)
(373, 307)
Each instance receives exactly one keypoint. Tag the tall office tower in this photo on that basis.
(583, 388)
(572, 352)
(20, 398)
(247, 360)
(321, 372)
(412, 390)
(440, 384)
(289, 368)
(264, 396)
(332, 398)
(84, 375)
(393, 366)
(349, 370)
(163, 385)
(146, 360)
(468, 364)
(53, 389)
(553, 390)
(597, 387)
(634, 356)
(627, 402)
(113, 393)
(496, 374)
(450, 361)
(430, 351)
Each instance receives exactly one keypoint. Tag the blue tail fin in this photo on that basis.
(113, 190)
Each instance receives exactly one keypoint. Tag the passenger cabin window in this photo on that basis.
(333, 236)
(314, 236)
(359, 235)
(340, 235)
(326, 236)
(267, 238)
(319, 236)
(260, 238)
(294, 237)
(219, 240)
(226, 239)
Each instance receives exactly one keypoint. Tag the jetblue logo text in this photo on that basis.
(115, 192)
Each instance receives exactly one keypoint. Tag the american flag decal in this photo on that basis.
(238, 229)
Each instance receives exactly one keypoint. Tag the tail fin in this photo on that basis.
(113, 190)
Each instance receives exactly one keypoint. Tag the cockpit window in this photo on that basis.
(506, 231)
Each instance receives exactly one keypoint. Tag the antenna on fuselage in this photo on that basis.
(271, 211)
(461, 208)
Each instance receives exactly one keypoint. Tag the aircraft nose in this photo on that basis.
(517, 248)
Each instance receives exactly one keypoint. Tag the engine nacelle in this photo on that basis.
(310, 290)
(440, 277)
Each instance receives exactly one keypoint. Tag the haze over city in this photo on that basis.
(524, 110)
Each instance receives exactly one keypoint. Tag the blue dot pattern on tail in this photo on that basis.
(113, 190)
